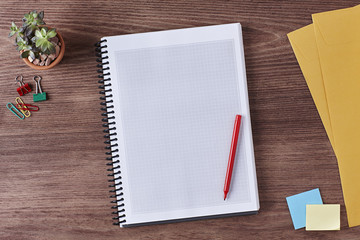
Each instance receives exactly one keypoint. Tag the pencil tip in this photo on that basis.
(225, 193)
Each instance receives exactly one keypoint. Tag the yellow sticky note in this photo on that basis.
(322, 217)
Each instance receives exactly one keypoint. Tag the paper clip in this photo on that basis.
(15, 111)
(24, 110)
(27, 107)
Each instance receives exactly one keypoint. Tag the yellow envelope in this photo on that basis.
(304, 45)
(305, 48)
(338, 41)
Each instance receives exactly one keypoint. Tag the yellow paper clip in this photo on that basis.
(26, 112)
(15, 111)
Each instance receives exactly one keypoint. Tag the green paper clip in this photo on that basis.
(15, 111)
(37, 97)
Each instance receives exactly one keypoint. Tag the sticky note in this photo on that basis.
(323, 217)
(297, 206)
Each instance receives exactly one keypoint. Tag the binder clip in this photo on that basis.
(37, 97)
(24, 87)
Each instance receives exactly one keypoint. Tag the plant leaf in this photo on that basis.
(29, 31)
(38, 42)
(18, 38)
(43, 32)
(12, 33)
(38, 21)
(51, 47)
(41, 15)
(51, 33)
(25, 54)
(34, 49)
(31, 54)
(26, 40)
(13, 29)
(43, 46)
(38, 34)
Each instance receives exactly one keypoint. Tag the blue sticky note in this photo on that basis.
(297, 206)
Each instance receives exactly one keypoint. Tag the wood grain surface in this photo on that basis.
(53, 182)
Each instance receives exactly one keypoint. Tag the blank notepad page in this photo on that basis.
(176, 110)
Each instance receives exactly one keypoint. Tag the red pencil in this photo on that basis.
(230, 166)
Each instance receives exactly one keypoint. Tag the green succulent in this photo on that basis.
(13, 29)
(41, 40)
(22, 45)
(32, 39)
(33, 19)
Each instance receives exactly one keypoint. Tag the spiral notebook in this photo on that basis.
(170, 99)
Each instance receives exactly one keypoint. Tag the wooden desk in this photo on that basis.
(53, 182)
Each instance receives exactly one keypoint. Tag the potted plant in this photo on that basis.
(41, 47)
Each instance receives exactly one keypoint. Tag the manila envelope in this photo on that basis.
(303, 43)
(305, 48)
(338, 41)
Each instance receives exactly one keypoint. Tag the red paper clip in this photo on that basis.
(28, 107)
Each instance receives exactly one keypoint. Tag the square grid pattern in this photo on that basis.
(178, 105)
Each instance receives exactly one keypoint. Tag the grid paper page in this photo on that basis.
(179, 105)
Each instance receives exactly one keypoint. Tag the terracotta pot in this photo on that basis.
(53, 63)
